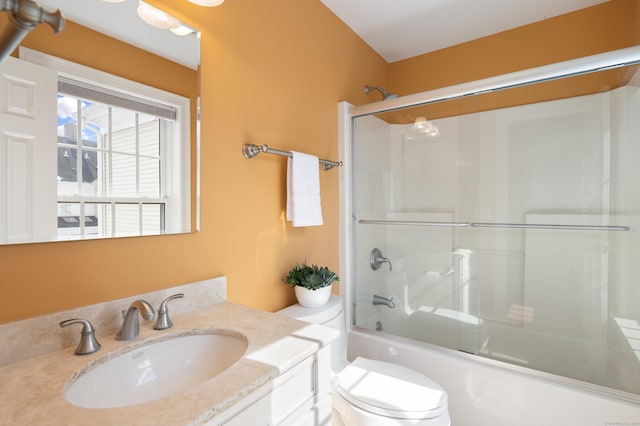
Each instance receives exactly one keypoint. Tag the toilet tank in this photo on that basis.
(329, 315)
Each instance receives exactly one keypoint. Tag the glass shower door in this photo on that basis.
(510, 233)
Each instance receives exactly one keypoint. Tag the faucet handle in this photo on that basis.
(88, 343)
(162, 321)
(376, 259)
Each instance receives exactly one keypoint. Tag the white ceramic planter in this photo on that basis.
(313, 298)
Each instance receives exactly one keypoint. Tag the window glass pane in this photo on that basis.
(95, 216)
(151, 219)
(89, 173)
(123, 177)
(94, 173)
(67, 170)
(123, 138)
(127, 220)
(70, 218)
(95, 124)
(149, 135)
(149, 177)
(67, 119)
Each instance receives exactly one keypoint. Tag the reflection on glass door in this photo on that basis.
(509, 232)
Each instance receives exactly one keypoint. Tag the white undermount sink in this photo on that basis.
(156, 370)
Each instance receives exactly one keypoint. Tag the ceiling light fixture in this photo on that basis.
(156, 17)
(207, 3)
(181, 31)
(425, 127)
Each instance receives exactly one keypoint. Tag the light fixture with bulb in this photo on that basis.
(422, 126)
(160, 19)
(182, 30)
(207, 3)
(156, 17)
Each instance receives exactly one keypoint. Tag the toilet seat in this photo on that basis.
(390, 390)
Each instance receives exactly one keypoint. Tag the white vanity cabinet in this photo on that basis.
(283, 378)
(300, 395)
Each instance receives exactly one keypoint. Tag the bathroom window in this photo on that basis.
(111, 182)
(122, 153)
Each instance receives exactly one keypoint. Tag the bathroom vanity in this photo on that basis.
(282, 378)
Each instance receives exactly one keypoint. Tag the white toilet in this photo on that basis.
(374, 393)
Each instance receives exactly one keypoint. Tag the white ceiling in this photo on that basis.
(400, 29)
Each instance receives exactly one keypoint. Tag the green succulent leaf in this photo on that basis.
(312, 277)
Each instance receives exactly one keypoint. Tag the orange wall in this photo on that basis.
(607, 26)
(273, 72)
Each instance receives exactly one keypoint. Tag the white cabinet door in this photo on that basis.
(28, 152)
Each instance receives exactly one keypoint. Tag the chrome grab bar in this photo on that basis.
(496, 225)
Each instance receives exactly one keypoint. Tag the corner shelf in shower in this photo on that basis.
(496, 225)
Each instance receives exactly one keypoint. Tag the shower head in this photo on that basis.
(385, 95)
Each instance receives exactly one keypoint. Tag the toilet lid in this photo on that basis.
(390, 390)
(320, 315)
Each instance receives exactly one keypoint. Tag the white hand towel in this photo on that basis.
(303, 190)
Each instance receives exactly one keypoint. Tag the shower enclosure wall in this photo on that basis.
(510, 235)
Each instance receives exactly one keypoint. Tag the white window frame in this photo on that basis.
(177, 173)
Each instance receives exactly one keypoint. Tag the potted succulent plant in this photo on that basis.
(312, 284)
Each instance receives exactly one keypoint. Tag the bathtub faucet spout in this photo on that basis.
(380, 300)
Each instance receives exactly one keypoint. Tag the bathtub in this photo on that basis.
(440, 326)
(484, 392)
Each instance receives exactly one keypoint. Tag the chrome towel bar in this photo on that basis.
(415, 223)
(496, 225)
(553, 226)
(250, 150)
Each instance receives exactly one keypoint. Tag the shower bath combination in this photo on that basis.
(483, 227)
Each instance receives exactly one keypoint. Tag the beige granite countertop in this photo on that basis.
(32, 391)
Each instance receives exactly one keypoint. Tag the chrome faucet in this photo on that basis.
(380, 300)
(131, 326)
(162, 321)
(88, 343)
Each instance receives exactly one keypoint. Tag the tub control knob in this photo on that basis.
(376, 259)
